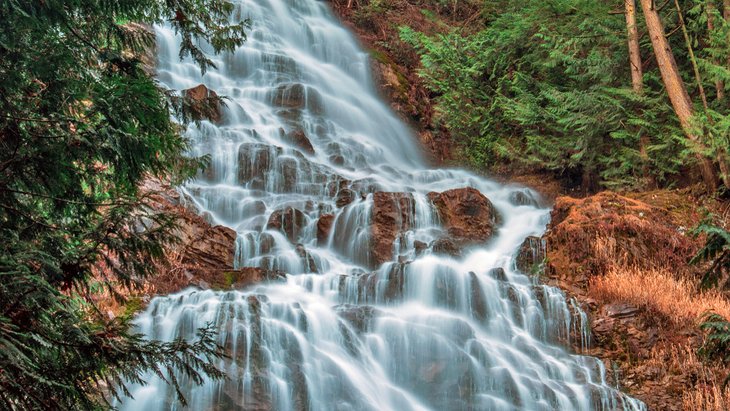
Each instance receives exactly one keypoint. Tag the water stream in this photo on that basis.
(342, 332)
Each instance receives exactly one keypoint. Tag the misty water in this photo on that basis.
(342, 332)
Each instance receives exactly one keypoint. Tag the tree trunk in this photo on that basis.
(726, 15)
(637, 82)
(634, 52)
(719, 84)
(675, 88)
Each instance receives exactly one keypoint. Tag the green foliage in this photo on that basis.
(81, 125)
(546, 86)
(716, 251)
(717, 342)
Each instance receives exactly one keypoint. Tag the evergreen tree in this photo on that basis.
(548, 85)
(81, 124)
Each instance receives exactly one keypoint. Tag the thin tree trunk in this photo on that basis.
(719, 84)
(637, 82)
(637, 74)
(692, 58)
(726, 15)
(675, 88)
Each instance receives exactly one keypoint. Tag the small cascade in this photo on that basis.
(308, 165)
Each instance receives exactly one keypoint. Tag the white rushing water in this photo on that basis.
(423, 332)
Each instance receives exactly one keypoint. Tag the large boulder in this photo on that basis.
(392, 215)
(289, 221)
(467, 215)
(201, 103)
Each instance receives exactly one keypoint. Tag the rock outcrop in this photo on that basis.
(298, 138)
(289, 221)
(324, 227)
(591, 237)
(588, 235)
(393, 214)
(531, 255)
(204, 254)
(466, 214)
(201, 103)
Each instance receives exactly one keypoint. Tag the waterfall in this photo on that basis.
(421, 332)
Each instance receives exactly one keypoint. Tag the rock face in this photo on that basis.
(589, 237)
(531, 255)
(204, 256)
(466, 214)
(289, 221)
(202, 104)
(298, 139)
(393, 214)
(324, 227)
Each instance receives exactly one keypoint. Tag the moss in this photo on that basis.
(224, 280)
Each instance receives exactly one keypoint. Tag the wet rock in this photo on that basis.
(244, 277)
(307, 260)
(393, 214)
(444, 246)
(466, 214)
(345, 197)
(200, 103)
(299, 97)
(531, 255)
(359, 316)
(420, 247)
(289, 221)
(498, 274)
(255, 160)
(478, 302)
(298, 139)
(337, 159)
(523, 197)
(324, 228)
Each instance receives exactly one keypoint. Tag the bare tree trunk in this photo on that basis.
(634, 52)
(675, 88)
(637, 82)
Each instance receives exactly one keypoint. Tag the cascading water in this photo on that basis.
(423, 332)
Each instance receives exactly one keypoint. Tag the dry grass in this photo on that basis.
(705, 393)
(706, 398)
(658, 291)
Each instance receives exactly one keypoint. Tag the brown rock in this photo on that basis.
(531, 255)
(298, 139)
(289, 221)
(420, 247)
(345, 197)
(213, 248)
(393, 214)
(445, 246)
(466, 214)
(307, 260)
(200, 103)
(324, 227)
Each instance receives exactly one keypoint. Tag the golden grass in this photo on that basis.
(706, 392)
(657, 290)
(706, 398)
